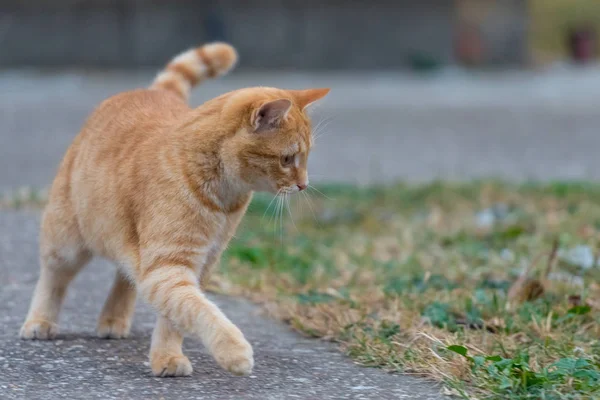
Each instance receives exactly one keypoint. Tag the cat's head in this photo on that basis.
(270, 149)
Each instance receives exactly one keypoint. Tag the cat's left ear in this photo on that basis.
(270, 115)
(305, 98)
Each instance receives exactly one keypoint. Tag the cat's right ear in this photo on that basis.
(270, 115)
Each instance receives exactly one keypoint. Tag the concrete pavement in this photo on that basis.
(79, 366)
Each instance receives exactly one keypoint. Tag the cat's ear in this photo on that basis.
(270, 115)
(305, 98)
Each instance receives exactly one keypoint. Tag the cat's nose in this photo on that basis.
(302, 186)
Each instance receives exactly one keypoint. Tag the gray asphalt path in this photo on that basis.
(79, 366)
(377, 127)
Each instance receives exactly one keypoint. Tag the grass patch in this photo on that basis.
(417, 279)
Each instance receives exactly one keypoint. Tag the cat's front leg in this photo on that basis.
(171, 286)
(166, 355)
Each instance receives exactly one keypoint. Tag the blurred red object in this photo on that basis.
(582, 44)
(469, 46)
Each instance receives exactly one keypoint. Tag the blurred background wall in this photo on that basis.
(290, 34)
(487, 108)
(294, 34)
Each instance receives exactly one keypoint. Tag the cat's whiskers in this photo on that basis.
(287, 202)
(275, 212)
(279, 213)
(320, 130)
(324, 120)
(269, 206)
(321, 133)
(318, 191)
(316, 128)
(282, 204)
(281, 218)
(309, 203)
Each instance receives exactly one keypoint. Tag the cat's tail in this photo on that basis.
(193, 66)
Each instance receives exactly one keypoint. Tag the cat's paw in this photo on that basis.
(235, 355)
(38, 329)
(113, 328)
(169, 365)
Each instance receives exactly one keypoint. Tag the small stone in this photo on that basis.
(360, 387)
(507, 255)
(581, 256)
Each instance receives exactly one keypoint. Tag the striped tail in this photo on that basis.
(193, 66)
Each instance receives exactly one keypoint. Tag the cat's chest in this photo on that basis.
(215, 243)
(222, 229)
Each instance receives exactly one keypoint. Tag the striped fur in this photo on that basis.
(193, 66)
(160, 188)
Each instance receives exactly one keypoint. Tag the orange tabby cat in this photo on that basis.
(160, 188)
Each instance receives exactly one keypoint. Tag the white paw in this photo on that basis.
(113, 329)
(164, 366)
(235, 355)
(38, 329)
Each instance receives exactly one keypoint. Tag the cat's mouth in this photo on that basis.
(292, 189)
(287, 190)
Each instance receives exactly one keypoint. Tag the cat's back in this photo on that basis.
(118, 128)
(124, 116)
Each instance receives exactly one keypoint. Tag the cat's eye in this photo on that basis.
(288, 160)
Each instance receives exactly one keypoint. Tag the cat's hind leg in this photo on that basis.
(62, 255)
(117, 313)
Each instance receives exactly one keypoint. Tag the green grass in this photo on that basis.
(404, 278)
